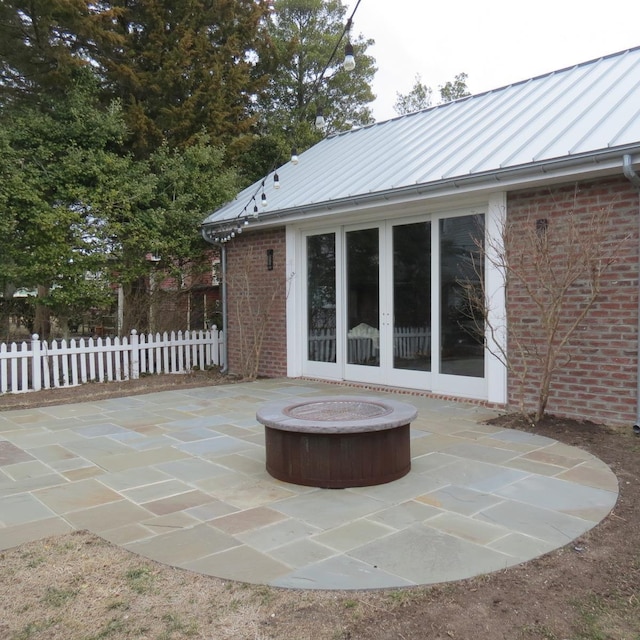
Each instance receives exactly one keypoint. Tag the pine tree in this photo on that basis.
(42, 44)
(181, 68)
(303, 77)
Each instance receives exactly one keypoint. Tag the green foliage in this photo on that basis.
(42, 43)
(417, 99)
(420, 95)
(56, 155)
(177, 68)
(189, 182)
(302, 36)
(181, 68)
(456, 89)
(80, 215)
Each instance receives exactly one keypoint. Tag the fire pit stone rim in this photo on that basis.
(276, 415)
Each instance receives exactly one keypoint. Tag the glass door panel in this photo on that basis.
(412, 296)
(461, 324)
(321, 297)
(363, 297)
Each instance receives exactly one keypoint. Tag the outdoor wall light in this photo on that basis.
(269, 259)
(542, 224)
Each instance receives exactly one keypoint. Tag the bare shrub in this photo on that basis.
(552, 264)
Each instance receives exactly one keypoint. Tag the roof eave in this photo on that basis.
(583, 166)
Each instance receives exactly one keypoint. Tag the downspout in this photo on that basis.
(634, 178)
(225, 324)
(223, 276)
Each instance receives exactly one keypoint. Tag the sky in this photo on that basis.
(494, 42)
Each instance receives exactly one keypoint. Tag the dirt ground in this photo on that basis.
(79, 587)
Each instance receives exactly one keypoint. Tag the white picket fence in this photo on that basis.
(36, 364)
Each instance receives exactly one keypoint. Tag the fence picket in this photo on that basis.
(39, 364)
(4, 378)
(180, 352)
(165, 352)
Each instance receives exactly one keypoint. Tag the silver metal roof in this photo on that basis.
(576, 114)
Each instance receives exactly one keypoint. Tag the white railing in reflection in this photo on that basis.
(408, 343)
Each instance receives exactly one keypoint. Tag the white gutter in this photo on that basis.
(634, 178)
(517, 176)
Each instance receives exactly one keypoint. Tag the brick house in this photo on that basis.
(354, 268)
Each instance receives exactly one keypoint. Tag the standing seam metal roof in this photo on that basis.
(578, 111)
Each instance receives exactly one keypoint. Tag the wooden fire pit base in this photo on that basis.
(337, 441)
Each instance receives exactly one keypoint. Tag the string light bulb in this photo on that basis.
(294, 156)
(349, 63)
(263, 197)
(320, 121)
(276, 181)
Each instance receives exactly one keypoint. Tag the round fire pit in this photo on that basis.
(337, 441)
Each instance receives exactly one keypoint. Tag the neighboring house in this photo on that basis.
(190, 302)
(353, 267)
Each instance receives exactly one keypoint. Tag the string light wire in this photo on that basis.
(235, 226)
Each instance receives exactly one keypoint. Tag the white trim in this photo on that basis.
(295, 300)
(496, 371)
(600, 164)
(492, 387)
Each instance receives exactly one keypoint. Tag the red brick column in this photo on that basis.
(256, 297)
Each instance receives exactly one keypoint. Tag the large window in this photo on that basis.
(321, 297)
(412, 296)
(396, 303)
(363, 297)
(461, 277)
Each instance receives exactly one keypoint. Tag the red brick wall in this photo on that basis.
(598, 382)
(257, 299)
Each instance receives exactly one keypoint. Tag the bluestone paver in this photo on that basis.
(179, 477)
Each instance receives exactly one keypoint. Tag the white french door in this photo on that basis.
(386, 304)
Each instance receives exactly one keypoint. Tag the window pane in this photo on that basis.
(321, 297)
(412, 296)
(363, 298)
(461, 324)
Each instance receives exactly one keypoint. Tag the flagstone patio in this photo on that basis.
(179, 477)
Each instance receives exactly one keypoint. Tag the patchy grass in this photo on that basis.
(79, 587)
(139, 579)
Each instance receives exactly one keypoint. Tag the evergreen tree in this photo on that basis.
(43, 42)
(181, 68)
(67, 182)
(303, 76)
(79, 216)
(178, 68)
